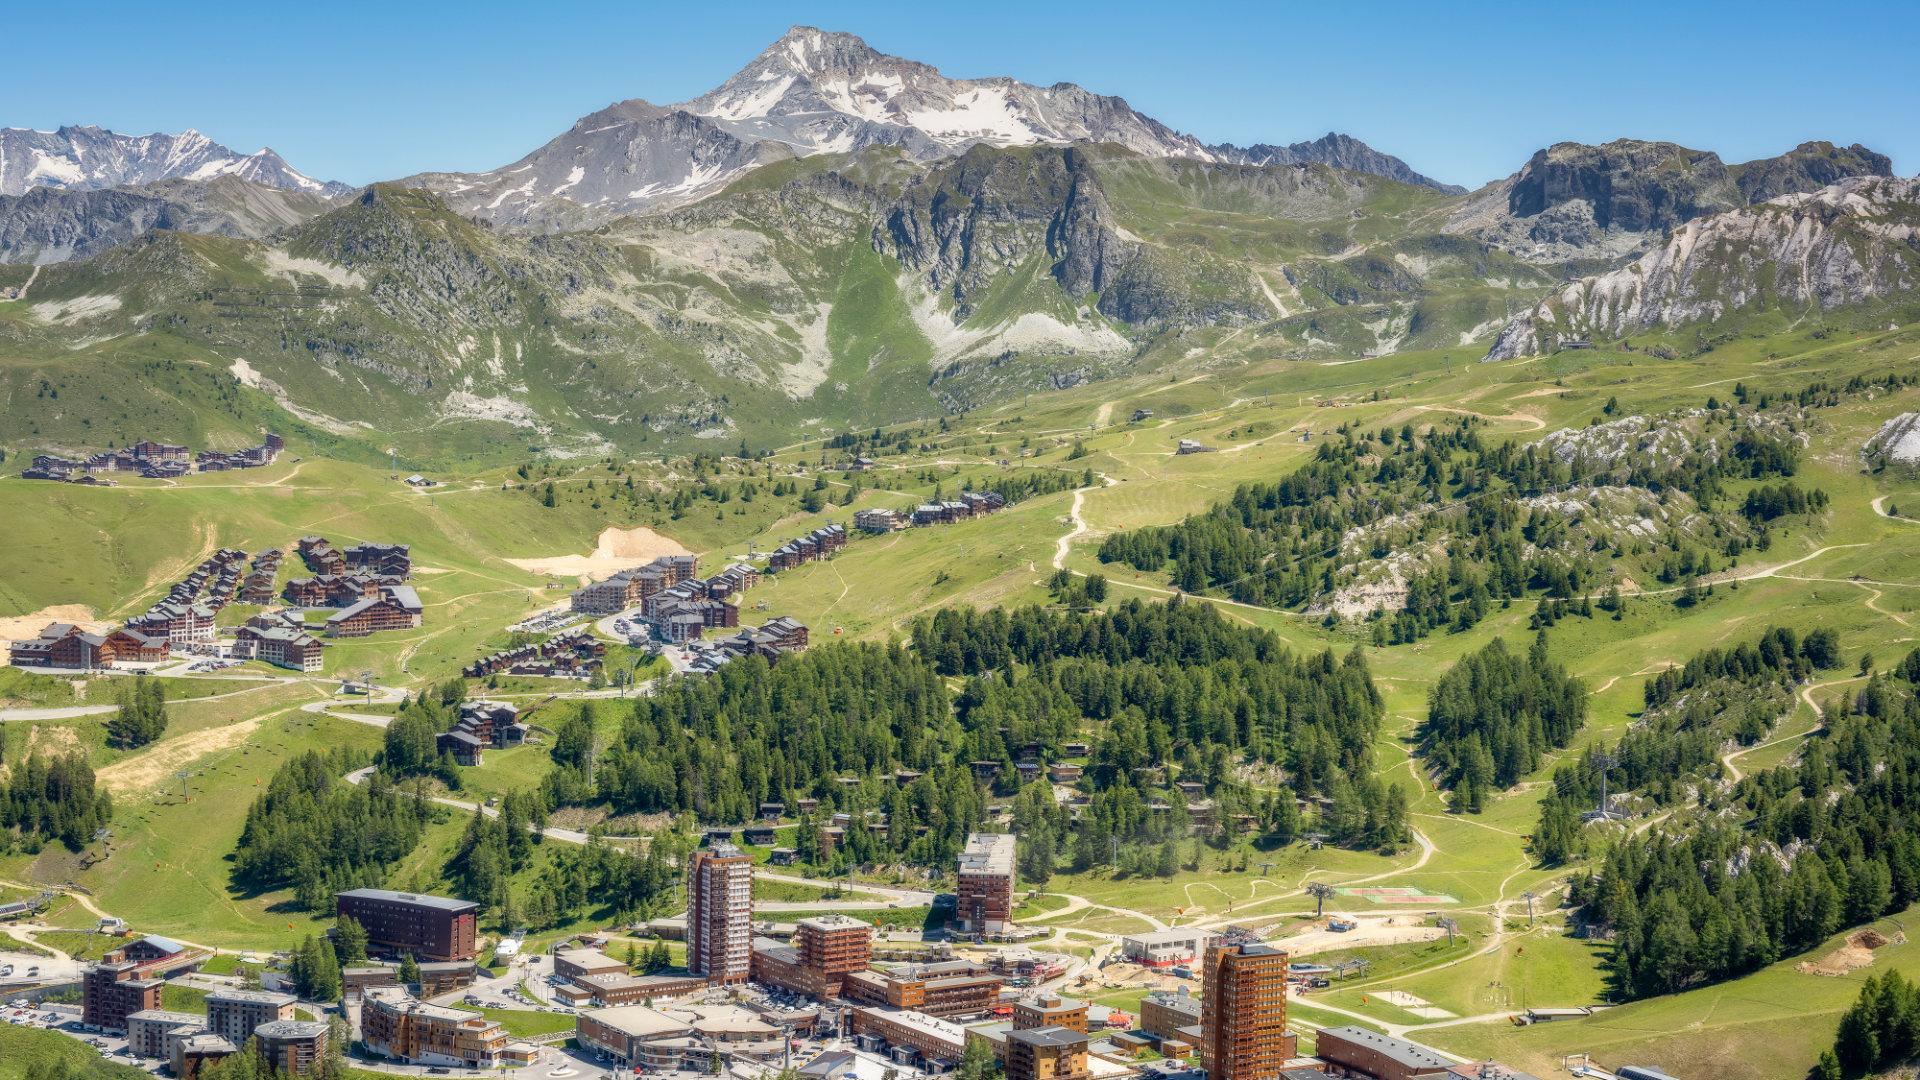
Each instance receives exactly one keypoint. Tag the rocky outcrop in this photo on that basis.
(965, 226)
(1807, 167)
(1574, 203)
(50, 225)
(1851, 243)
(967, 223)
(1338, 151)
(1896, 443)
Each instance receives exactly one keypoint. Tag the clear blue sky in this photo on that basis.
(1464, 92)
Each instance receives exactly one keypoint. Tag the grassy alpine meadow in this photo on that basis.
(1772, 1023)
(165, 865)
(28, 1051)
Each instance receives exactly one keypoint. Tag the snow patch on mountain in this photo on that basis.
(89, 158)
(815, 92)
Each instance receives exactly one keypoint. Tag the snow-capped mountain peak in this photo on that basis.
(823, 92)
(88, 158)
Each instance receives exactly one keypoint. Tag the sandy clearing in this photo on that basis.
(617, 549)
(1372, 930)
(1857, 953)
(51, 740)
(22, 627)
(154, 767)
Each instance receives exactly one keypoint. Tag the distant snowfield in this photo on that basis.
(984, 113)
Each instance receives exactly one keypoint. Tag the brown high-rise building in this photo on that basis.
(834, 944)
(1243, 1012)
(429, 927)
(112, 991)
(825, 950)
(1048, 1053)
(985, 891)
(720, 914)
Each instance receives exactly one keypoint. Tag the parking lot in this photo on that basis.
(65, 1019)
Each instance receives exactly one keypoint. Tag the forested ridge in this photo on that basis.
(876, 731)
(1450, 524)
(1719, 697)
(1780, 862)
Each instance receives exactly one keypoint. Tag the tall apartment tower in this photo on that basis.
(1243, 1013)
(985, 891)
(720, 914)
(834, 944)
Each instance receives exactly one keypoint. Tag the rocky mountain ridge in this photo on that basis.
(818, 92)
(1851, 243)
(1572, 201)
(50, 225)
(88, 158)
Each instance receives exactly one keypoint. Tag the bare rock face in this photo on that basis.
(50, 225)
(1854, 242)
(1629, 185)
(1896, 443)
(1808, 167)
(1575, 203)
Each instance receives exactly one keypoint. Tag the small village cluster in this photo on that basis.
(679, 608)
(570, 654)
(363, 589)
(367, 583)
(154, 460)
(814, 546)
(969, 505)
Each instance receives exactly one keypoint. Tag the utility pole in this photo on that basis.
(183, 775)
(1529, 897)
(1604, 761)
(1450, 926)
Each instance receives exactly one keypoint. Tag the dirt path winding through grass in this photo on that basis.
(1806, 695)
(1080, 526)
